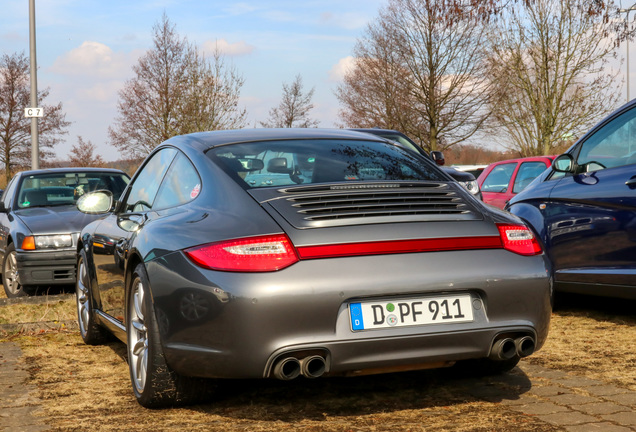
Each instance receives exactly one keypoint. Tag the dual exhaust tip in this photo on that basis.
(290, 368)
(507, 348)
(314, 366)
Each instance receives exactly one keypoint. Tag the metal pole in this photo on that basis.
(627, 11)
(35, 146)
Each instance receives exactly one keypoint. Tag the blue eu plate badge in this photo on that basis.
(357, 323)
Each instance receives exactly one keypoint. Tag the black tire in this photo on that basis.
(154, 383)
(485, 366)
(92, 333)
(10, 277)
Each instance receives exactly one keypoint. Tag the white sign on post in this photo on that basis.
(34, 112)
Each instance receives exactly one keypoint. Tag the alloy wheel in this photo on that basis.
(11, 276)
(81, 291)
(138, 338)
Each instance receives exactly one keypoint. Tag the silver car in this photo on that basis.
(290, 253)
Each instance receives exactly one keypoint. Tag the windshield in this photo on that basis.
(64, 188)
(279, 163)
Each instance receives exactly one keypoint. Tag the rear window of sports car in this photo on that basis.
(281, 163)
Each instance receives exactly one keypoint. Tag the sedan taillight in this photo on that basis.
(252, 254)
(519, 239)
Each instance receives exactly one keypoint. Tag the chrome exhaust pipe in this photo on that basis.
(503, 349)
(287, 369)
(313, 366)
(524, 346)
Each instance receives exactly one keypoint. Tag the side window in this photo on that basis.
(146, 184)
(499, 178)
(8, 192)
(182, 184)
(528, 171)
(611, 146)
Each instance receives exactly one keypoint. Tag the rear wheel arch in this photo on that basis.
(90, 330)
(154, 383)
(131, 265)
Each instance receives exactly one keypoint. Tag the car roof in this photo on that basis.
(525, 159)
(206, 140)
(377, 130)
(71, 170)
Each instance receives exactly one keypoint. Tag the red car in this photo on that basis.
(500, 181)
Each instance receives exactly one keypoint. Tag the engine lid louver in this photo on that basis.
(335, 205)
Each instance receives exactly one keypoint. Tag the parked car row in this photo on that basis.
(40, 224)
(288, 253)
(584, 210)
(500, 181)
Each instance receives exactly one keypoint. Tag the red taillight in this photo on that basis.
(399, 246)
(519, 239)
(252, 254)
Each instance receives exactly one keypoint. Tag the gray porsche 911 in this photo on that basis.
(265, 253)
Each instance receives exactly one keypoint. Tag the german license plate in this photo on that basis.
(410, 312)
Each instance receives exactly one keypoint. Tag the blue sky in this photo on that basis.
(85, 50)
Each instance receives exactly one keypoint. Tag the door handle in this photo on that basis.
(631, 182)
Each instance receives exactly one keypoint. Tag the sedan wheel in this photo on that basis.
(10, 276)
(154, 383)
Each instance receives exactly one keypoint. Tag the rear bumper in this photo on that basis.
(351, 357)
(47, 267)
(229, 325)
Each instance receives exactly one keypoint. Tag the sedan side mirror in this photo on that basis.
(438, 157)
(98, 202)
(564, 163)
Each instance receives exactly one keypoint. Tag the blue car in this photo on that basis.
(583, 209)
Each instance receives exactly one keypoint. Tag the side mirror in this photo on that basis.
(564, 163)
(98, 202)
(278, 166)
(438, 157)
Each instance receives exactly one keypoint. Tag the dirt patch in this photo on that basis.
(87, 387)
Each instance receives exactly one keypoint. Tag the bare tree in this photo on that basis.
(82, 155)
(15, 129)
(429, 56)
(213, 96)
(549, 60)
(293, 110)
(175, 90)
(375, 93)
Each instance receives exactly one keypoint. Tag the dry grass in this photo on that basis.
(593, 337)
(87, 388)
(63, 310)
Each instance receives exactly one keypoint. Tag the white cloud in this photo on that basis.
(240, 8)
(343, 66)
(349, 21)
(94, 59)
(100, 91)
(228, 49)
